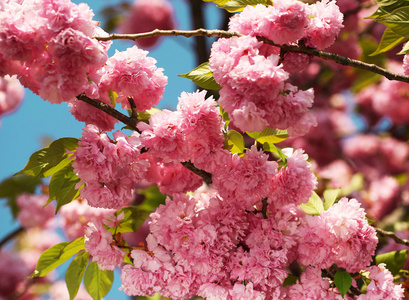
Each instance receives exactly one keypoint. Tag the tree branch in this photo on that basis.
(393, 236)
(346, 61)
(10, 236)
(110, 111)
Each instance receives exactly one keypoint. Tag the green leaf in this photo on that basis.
(356, 184)
(330, 196)
(13, 186)
(75, 273)
(133, 218)
(203, 77)
(57, 255)
(97, 282)
(225, 117)
(397, 21)
(152, 198)
(234, 142)
(273, 149)
(343, 282)
(394, 260)
(391, 5)
(290, 280)
(377, 14)
(48, 161)
(62, 187)
(314, 205)
(145, 115)
(238, 5)
(389, 40)
(269, 135)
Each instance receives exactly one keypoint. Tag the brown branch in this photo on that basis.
(109, 110)
(207, 177)
(300, 48)
(11, 236)
(393, 236)
(134, 112)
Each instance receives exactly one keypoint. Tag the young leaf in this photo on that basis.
(133, 218)
(48, 161)
(57, 255)
(11, 187)
(269, 135)
(343, 282)
(273, 149)
(225, 117)
(97, 282)
(394, 260)
(62, 187)
(397, 21)
(145, 115)
(405, 49)
(203, 77)
(314, 205)
(75, 273)
(234, 142)
(389, 40)
(330, 196)
(152, 198)
(238, 5)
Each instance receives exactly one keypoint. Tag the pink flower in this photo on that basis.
(406, 64)
(147, 15)
(382, 286)
(13, 273)
(11, 94)
(132, 73)
(294, 183)
(32, 212)
(325, 24)
(245, 180)
(98, 244)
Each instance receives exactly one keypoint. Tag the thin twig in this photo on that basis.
(10, 236)
(134, 112)
(393, 236)
(207, 177)
(299, 48)
(109, 110)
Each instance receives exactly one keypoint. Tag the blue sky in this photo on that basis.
(23, 132)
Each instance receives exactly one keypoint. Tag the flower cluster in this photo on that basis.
(49, 45)
(32, 212)
(11, 94)
(109, 168)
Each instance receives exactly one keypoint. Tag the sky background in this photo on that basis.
(24, 131)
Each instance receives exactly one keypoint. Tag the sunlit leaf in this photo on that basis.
(97, 282)
(238, 5)
(234, 142)
(314, 205)
(269, 135)
(203, 77)
(397, 21)
(57, 255)
(75, 273)
(133, 218)
(389, 40)
(330, 196)
(391, 5)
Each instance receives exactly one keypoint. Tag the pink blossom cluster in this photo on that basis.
(341, 235)
(32, 212)
(288, 21)
(254, 92)
(11, 94)
(110, 168)
(208, 246)
(131, 73)
(100, 244)
(13, 274)
(49, 45)
(382, 285)
(191, 133)
(294, 183)
(147, 15)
